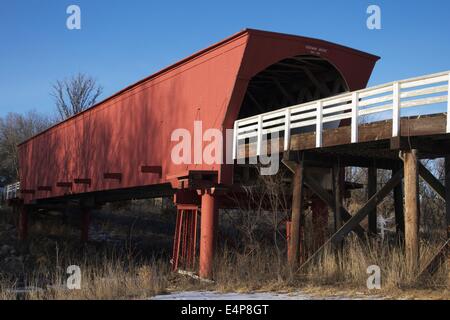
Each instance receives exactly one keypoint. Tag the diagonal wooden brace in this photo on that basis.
(432, 181)
(328, 199)
(360, 215)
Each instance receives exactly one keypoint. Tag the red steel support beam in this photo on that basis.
(208, 229)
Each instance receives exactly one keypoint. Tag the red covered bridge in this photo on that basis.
(121, 148)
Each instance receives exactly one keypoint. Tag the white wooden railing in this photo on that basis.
(394, 96)
(12, 191)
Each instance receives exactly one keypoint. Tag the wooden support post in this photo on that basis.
(398, 207)
(320, 221)
(411, 174)
(447, 194)
(338, 184)
(371, 190)
(23, 223)
(297, 212)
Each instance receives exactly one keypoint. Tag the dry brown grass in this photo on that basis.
(349, 267)
(344, 273)
(260, 267)
(105, 280)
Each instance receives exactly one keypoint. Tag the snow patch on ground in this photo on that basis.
(213, 295)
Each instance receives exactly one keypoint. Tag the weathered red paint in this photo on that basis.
(131, 130)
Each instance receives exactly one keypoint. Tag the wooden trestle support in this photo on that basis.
(404, 181)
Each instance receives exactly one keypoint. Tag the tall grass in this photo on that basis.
(105, 279)
(346, 269)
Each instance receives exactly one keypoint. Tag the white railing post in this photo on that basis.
(355, 106)
(259, 136)
(287, 129)
(396, 109)
(235, 140)
(448, 104)
(319, 124)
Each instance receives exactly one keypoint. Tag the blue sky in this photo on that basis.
(123, 41)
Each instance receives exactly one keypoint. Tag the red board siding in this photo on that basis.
(132, 128)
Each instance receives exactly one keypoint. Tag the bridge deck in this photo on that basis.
(426, 133)
(348, 124)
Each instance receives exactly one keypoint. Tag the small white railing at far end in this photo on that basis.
(393, 96)
(12, 191)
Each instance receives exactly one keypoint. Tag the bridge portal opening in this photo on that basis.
(289, 82)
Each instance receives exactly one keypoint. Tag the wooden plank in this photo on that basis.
(411, 173)
(112, 176)
(235, 140)
(27, 191)
(337, 117)
(339, 108)
(82, 181)
(340, 99)
(372, 101)
(371, 190)
(152, 169)
(405, 84)
(259, 136)
(425, 91)
(396, 110)
(297, 212)
(448, 104)
(319, 124)
(377, 109)
(423, 102)
(375, 91)
(64, 184)
(355, 119)
(287, 129)
(246, 129)
(44, 188)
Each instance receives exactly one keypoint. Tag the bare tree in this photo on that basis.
(14, 129)
(75, 94)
